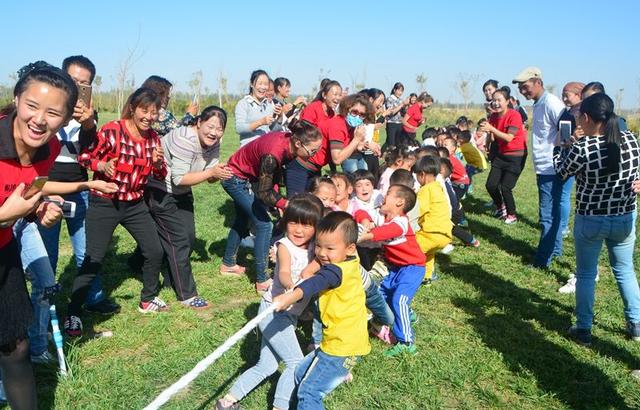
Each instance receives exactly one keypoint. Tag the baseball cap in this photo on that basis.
(527, 74)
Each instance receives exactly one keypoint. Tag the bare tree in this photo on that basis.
(97, 83)
(195, 85)
(222, 88)
(421, 79)
(619, 97)
(124, 72)
(464, 86)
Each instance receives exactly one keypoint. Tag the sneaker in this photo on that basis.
(104, 307)
(463, 223)
(262, 287)
(447, 249)
(196, 303)
(43, 358)
(348, 378)
(400, 349)
(3, 396)
(501, 212)
(570, 286)
(474, 244)
(633, 330)
(489, 204)
(510, 219)
(581, 336)
(153, 306)
(223, 404)
(383, 333)
(72, 326)
(634, 373)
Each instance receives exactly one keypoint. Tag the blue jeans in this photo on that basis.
(377, 305)
(565, 204)
(549, 211)
(248, 209)
(351, 165)
(76, 229)
(619, 234)
(279, 344)
(36, 263)
(318, 375)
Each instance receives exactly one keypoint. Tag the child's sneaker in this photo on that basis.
(447, 249)
(43, 358)
(501, 212)
(399, 349)
(383, 333)
(348, 378)
(153, 306)
(223, 404)
(474, 243)
(413, 317)
(72, 326)
(510, 219)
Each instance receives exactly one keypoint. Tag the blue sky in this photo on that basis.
(375, 43)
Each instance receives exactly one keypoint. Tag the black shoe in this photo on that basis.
(104, 307)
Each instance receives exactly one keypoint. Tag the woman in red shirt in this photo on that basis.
(299, 172)
(125, 152)
(44, 100)
(257, 170)
(508, 132)
(413, 118)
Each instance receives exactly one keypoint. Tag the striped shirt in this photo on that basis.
(183, 154)
(599, 192)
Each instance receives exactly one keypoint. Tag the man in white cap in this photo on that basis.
(546, 112)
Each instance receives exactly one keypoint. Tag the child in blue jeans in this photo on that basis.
(279, 343)
(403, 255)
(342, 311)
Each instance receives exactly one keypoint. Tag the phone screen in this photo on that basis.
(565, 131)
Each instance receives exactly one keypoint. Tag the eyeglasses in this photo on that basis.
(311, 152)
(357, 113)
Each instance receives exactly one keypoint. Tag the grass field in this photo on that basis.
(492, 332)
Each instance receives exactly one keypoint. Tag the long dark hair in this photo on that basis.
(396, 86)
(161, 86)
(599, 107)
(254, 77)
(326, 86)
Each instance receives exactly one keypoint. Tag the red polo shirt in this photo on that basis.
(511, 119)
(415, 116)
(459, 174)
(12, 173)
(314, 113)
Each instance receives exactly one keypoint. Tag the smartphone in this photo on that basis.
(565, 131)
(68, 207)
(35, 187)
(84, 94)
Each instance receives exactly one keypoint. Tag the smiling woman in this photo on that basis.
(44, 101)
(125, 152)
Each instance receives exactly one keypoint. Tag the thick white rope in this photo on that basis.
(207, 361)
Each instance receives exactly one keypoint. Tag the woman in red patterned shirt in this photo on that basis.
(125, 152)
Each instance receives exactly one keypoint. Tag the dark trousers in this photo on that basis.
(458, 231)
(297, 178)
(503, 176)
(177, 231)
(405, 138)
(373, 165)
(103, 216)
(393, 131)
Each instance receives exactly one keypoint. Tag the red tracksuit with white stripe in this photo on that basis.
(406, 270)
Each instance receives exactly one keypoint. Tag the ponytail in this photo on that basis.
(599, 107)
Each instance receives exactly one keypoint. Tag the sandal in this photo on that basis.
(196, 303)
(236, 270)
(262, 287)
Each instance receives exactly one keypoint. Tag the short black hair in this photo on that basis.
(407, 194)
(81, 61)
(465, 136)
(315, 183)
(361, 174)
(429, 133)
(302, 208)
(443, 152)
(446, 163)
(430, 150)
(339, 221)
(402, 177)
(428, 165)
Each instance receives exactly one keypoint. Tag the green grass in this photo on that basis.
(491, 332)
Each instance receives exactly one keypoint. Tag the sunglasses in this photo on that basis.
(310, 152)
(357, 113)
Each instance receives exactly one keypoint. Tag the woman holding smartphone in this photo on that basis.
(44, 100)
(125, 152)
(255, 114)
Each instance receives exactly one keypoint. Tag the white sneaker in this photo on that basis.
(44, 358)
(570, 286)
(446, 250)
